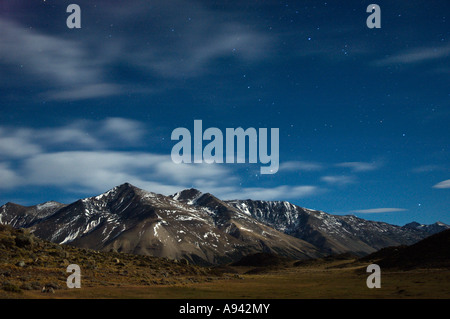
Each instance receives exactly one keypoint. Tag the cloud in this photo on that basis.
(276, 193)
(379, 210)
(360, 166)
(78, 68)
(127, 130)
(94, 164)
(25, 142)
(443, 184)
(50, 60)
(428, 168)
(417, 55)
(192, 55)
(339, 180)
(85, 91)
(293, 166)
(17, 143)
(93, 170)
(190, 173)
(8, 177)
(96, 171)
(76, 134)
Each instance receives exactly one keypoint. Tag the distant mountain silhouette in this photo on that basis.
(431, 252)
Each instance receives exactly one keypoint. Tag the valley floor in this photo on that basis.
(304, 282)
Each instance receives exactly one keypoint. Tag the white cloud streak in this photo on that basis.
(417, 55)
(359, 166)
(111, 132)
(293, 166)
(443, 184)
(339, 180)
(428, 168)
(276, 193)
(379, 210)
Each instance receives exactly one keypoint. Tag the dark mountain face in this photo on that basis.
(202, 228)
(187, 196)
(431, 252)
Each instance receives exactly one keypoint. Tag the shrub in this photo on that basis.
(7, 241)
(23, 240)
(11, 287)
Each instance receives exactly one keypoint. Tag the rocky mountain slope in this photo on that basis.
(204, 229)
(334, 234)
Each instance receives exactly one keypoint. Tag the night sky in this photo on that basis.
(363, 113)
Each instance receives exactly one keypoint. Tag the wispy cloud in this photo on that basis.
(417, 55)
(339, 180)
(379, 210)
(293, 166)
(443, 184)
(17, 143)
(77, 68)
(428, 168)
(8, 177)
(22, 142)
(50, 60)
(85, 91)
(360, 166)
(276, 193)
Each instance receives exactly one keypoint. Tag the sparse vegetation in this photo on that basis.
(117, 275)
(33, 265)
(9, 287)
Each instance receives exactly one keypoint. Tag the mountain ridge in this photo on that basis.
(203, 228)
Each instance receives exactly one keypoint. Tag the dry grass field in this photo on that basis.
(288, 283)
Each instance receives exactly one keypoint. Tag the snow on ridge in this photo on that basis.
(92, 225)
(101, 196)
(177, 195)
(194, 200)
(148, 195)
(70, 237)
(243, 208)
(49, 204)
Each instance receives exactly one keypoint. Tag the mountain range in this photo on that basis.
(203, 229)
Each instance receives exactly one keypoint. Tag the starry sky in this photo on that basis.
(363, 113)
